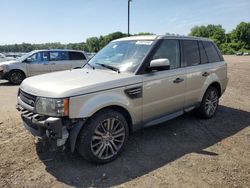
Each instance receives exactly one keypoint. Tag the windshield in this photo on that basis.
(123, 55)
(25, 56)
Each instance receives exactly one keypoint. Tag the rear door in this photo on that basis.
(78, 59)
(59, 60)
(37, 63)
(198, 58)
(164, 90)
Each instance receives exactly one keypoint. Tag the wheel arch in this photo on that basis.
(77, 129)
(214, 83)
(121, 110)
(217, 86)
(20, 70)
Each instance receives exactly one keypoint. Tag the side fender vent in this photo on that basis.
(134, 93)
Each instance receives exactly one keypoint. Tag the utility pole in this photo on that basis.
(129, 1)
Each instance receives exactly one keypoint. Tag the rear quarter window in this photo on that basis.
(76, 56)
(211, 51)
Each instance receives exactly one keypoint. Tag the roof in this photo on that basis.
(62, 50)
(155, 37)
(141, 37)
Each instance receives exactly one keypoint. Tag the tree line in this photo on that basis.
(92, 44)
(229, 43)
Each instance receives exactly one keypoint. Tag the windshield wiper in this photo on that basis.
(109, 67)
(89, 65)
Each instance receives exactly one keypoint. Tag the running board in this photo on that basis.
(164, 119)
(168, 117)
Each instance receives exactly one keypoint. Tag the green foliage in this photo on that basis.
(242, 35)
(237, 40)
(93, 44)
(214, 32)
(144, 33)
(229, 43)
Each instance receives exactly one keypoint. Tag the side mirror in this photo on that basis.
(28, 60)
(159, 64)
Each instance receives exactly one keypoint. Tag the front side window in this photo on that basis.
(38, 57)
(124, 55)
(35, 57)
(59, 56)
(45, 56)
(191, 52)
(169, 49)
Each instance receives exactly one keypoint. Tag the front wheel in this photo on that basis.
(16, 77)
(209, 103)
(103, 137)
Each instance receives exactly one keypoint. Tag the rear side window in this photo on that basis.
(59, 56)
(211, 52)
(191, 52)
(76, 56)
(169, 49)
(203, 54)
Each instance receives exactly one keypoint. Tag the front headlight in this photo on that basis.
(52, 107)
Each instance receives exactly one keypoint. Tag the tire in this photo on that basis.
(209, 103)
(16, 77)
(103, 137)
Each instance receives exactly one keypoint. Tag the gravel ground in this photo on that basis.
(184, 152)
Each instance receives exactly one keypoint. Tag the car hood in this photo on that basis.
(76, 82)
(8, 62)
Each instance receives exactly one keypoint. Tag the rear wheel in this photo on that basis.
(209, 103)
(16, 77)
(103, 137)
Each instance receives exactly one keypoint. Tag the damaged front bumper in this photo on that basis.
(54, 130)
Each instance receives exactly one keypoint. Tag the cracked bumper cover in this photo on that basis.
(38, 125)
(54, 128)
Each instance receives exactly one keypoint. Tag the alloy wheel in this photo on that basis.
(108, 138)
(211, 103)
(16, 77)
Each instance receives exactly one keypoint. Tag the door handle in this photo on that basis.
(178, 80)
(205, 74)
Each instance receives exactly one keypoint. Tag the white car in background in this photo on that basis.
(40, 62)
(4, 58)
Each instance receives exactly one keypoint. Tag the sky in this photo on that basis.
(69, 21)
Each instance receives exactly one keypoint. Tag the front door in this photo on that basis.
(38, 63)
(164, 90)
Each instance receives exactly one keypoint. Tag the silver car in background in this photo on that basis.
(40, 62)
(5, 58)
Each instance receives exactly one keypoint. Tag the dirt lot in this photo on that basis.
(184, 152)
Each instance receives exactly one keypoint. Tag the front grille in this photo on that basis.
(27, 98)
